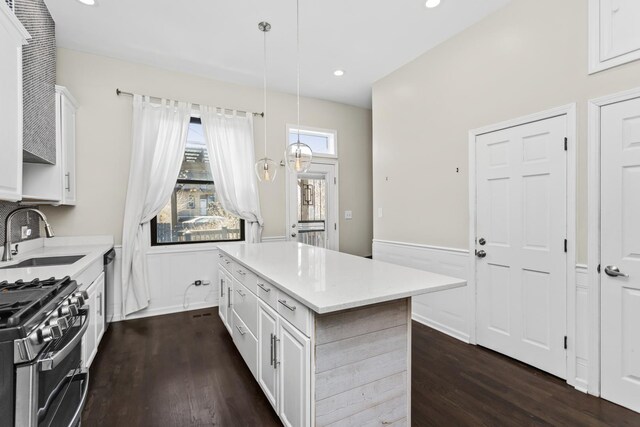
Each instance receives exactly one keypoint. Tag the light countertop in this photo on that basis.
(92, 247)
(328, 281)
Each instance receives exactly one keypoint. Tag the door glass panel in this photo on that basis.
(312, 210)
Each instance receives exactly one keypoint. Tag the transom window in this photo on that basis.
(194, 214)
(322, 142)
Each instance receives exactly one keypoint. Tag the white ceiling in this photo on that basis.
(220, 39)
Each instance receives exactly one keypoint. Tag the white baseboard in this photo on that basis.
(162, 311)
(440, 327)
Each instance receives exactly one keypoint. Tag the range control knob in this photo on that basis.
(70, 310)
(50, 332)
(78, 298)
(63, 322)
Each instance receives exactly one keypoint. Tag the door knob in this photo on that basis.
(293, 234)
(614, 271)
(482, 241)
(481, 254)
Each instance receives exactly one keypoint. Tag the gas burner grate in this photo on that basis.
(19, 300)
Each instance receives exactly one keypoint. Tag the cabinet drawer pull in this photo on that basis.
(275, 352)
(240, 330)
(242, 294)
(221, 288)
(271, 354)
(220, 256)
(68, 181)
(263, 287)
(242, 273)
(228, 296)
(290, 307)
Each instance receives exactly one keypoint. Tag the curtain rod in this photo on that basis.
(121, 92)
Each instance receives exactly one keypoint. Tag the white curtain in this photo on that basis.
(159, 138)
(231, 157)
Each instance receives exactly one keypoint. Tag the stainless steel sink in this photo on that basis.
(46, 261)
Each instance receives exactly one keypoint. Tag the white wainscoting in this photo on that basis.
(581, 376)
(449, 312)
(171, 271)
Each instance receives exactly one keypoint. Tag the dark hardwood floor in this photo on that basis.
(183, 370)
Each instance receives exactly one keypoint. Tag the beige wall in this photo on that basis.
(104, 143)
(528, 57)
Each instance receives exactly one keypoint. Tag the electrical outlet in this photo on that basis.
(348, 215)
(25, 232)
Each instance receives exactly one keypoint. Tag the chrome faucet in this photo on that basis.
(8, 255)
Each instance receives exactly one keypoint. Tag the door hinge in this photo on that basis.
(598, 268)
(565, 245)
(565, 342)
(335, 226)
(335, 180)
(566, 142)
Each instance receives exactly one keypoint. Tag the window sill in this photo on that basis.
(190, 247)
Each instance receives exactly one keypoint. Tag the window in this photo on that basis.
(322, 142)
(194, 214)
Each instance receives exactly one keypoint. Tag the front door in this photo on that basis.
(620, 254)
(312, 210)
(521, 231)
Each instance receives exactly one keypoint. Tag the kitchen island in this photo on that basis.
(327, 335)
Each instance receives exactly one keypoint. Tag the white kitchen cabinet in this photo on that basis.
(56, 184)
(293, 360)
(12, 37)
(267, 369)
(96, 328)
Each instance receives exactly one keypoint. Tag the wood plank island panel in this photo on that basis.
(362, 367)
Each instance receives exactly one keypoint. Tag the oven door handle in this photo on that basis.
(51, 360)
(79, 374)
(75, 421)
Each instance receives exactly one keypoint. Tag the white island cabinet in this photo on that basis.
(326, 335)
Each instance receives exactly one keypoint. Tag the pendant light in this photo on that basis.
(266, 169)
(298, 155)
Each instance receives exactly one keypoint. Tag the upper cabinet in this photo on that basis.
(56, 184)
(12, 37)
(614, 33)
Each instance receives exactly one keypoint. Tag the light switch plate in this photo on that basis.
(348, 215)
(25, 232)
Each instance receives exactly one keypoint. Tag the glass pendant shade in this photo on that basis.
(298, 157)
(266, 170)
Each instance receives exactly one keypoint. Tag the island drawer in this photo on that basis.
(226, 263)
(246, 343)
(245, 303)
(246, 277)
(295, 312)
(268, 293)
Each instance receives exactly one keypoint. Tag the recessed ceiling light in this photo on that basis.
(88, 2)
(338, 73)
(432, 3)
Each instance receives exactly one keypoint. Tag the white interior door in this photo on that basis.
(620, 255)
(521, 231)
(312, 212)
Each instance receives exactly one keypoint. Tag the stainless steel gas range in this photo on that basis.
(42, 323)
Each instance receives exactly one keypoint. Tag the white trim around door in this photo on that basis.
(593, 218)
(333, 215)
(570, 112)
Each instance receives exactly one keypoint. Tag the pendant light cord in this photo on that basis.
(265, 93)
(298, 56)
